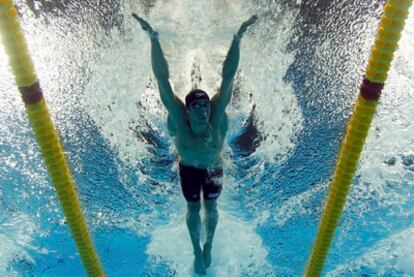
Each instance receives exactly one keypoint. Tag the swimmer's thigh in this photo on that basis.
(191, 179)
(212, 185)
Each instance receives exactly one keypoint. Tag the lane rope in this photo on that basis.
(382, 52)
(46, 136)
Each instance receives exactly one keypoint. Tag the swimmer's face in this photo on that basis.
(199, 111)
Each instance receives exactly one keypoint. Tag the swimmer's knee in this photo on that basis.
(210, 204)
(193, 207)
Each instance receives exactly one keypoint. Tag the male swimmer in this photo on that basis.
(199, 127)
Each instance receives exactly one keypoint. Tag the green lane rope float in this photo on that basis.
(388, 34)
(46, 136)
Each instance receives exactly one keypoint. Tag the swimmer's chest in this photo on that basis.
(187, 143)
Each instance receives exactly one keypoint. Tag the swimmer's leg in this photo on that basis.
(211, 223)
(193, 224)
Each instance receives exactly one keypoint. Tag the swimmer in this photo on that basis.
(199, 127)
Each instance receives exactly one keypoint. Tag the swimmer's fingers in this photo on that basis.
(250, 21)
(145, 26)
(245, 25)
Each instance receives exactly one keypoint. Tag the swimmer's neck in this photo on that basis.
(200, 130)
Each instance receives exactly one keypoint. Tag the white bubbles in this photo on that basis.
(392, 253)
(14, 257)
(123, 98)
(298, 205)
(237, 249)
(109, 71)
(405, 248)
(385, 174)
(387, 156)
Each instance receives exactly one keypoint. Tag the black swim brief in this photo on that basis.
(194, 179)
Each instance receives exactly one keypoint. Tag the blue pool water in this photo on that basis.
(298, 78)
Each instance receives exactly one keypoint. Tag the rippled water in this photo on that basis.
(298, 78)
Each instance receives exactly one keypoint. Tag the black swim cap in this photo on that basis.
(195, 94)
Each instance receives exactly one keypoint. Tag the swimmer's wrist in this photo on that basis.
(153, 35)
(237, 36)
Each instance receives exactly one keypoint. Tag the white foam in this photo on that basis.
(16, 233)
(391, 137)
(194, 31)
(384, 178)
(394, 252)
(237, 249)
(296, 205)
(405, 248)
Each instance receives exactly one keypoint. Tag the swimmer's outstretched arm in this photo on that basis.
(160, 68)
(159, 64)
(230, 65)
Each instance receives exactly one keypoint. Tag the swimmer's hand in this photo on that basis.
(146, 26)
(244, 26)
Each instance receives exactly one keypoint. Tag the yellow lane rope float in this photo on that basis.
(46, 136)
(388, 34)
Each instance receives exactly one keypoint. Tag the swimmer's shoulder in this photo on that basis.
(174, 128)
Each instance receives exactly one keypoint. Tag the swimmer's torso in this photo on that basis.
(201, 152)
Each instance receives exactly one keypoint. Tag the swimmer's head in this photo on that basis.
(198, 107)
(194, 95)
